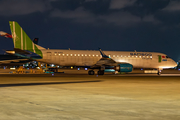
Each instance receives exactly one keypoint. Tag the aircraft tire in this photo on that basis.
(91, 72)
(101, 72)
(159, 73)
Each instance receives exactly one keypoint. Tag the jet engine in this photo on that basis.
(124, 67)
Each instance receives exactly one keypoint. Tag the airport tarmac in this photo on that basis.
(84, 97)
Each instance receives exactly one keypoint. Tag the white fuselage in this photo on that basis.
(90, 57)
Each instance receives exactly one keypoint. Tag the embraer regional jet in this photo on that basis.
(120, 61)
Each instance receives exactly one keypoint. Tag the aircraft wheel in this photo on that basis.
(91, 72)
(101, 72)
(159, 73)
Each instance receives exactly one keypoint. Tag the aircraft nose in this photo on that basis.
(174, 63)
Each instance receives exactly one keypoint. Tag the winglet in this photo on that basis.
(102, 53)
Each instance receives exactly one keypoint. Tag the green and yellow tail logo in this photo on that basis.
(21, 39)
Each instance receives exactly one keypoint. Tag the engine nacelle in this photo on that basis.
(124, 67)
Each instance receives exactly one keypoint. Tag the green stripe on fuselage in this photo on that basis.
(159, 58)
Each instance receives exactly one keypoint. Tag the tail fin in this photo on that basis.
(22, 41)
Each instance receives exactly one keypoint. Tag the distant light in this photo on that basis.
(52, 74)
(52, 65)
(78, 68)
(85, 68)
(71, 67)
(178, 69)
(141, 69)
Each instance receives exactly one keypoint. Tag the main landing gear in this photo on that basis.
(100, 72)
(91, 72)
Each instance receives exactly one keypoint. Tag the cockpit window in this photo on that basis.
(167, 57)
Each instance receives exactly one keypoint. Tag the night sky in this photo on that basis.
(122, 25)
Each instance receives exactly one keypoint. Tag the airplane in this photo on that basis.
(120, 61)
(9, 59)
(4, 34)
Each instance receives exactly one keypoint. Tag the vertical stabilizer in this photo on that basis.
(21, 40)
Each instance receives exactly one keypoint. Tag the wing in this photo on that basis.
(106, 61)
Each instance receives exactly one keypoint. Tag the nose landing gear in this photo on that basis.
(159, 71)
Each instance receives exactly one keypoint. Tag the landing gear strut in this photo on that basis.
(91, 72)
